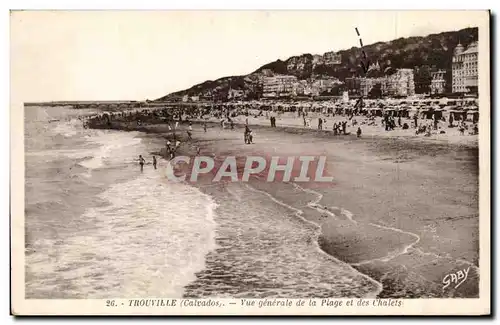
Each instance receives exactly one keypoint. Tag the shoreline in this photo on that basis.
(339, 230)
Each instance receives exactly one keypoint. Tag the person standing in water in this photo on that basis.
(154, 162)
(141, 162)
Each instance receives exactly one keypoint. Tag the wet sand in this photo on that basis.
(403, 211)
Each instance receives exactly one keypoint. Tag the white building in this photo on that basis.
(465, 68)
(438, 83)
(400, 83)
(279, 86)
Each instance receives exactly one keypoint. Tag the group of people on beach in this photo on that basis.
(170, 150)
(142, 162)
(341, 117)
(272, 119)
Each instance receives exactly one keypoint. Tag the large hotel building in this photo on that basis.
(465, 68)
(279, 86)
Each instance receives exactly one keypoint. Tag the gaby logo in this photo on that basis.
(270, 169)
(456, 278)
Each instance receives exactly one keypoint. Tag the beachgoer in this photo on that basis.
(154, 162)
(205, 127)
(168, 146)
(141, 162)
(461, 129)
(358, 133)
(245, 135)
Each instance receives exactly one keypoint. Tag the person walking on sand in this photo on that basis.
(169, 148)
(141, 162)
(358, 133)
(154, 162)
(205, 127)
(247, 134)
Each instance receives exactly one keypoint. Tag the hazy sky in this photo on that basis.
(112, 55)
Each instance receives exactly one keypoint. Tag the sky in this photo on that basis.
(139, 55)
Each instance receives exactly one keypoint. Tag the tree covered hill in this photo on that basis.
(425, 53)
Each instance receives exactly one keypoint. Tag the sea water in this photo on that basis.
(96, 226)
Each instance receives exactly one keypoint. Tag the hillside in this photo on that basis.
(434, 51)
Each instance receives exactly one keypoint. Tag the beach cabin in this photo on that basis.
(376, 111)
(473, 116)
(458, 114)
(401, 111)
(390, 111)
(431, 113)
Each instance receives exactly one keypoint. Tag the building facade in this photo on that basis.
(279, 86)
(353, 85)
(438, 82)
(400, 83)
(465, 68)
(332, 58)
(367, 84)
(235, 94)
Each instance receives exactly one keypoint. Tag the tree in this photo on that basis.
(422, 79)
(338, 90)
(375, 92)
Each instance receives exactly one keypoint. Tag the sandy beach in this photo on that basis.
(387, 213)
